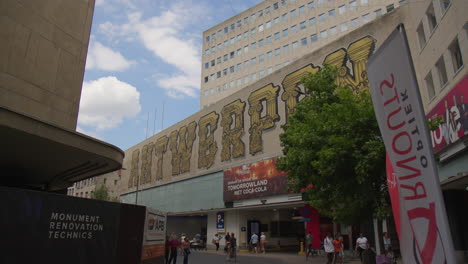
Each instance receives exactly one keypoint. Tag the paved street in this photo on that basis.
(212, 257)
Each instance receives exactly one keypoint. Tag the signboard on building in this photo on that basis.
(220, 226)
(154, 237)
(254, 180)
(453, 109)
(424, 232)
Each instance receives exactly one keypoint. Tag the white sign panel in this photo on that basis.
(425, 235)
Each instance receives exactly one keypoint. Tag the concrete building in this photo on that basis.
(87, 187)
(43, 47)
(274, 33)
(211, 168)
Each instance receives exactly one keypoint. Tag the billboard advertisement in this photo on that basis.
(254, 180)
(154, 237)
(412, 174)
(453, 109)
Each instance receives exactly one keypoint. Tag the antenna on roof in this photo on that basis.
(154, 122)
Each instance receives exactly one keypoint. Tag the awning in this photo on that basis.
(39, 155)
(459, 182)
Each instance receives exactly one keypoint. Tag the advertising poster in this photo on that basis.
(424, 231)
(220, 225)
(254, 180)
(453, 109)
(154, 237)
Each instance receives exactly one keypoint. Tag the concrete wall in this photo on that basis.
(43, 51)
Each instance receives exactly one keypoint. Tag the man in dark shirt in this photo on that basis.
(174, 245)
(227, 238)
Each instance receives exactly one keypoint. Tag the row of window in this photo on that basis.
(292, 13)
(431, 21)
(269, 39)
(453, 56)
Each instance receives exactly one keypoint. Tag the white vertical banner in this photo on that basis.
(425, 235)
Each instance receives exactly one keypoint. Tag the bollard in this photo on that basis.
(302, 253)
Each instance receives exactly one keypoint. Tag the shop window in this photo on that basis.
(456, 56)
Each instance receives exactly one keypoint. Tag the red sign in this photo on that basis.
(453, 109)
(254, 180)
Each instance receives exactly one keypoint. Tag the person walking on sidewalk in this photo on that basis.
(262, 242)
(329, 248)
(186, 249)
(216, 241)
(254, 242)
(174, 245)
(338, 245)
(361, 244)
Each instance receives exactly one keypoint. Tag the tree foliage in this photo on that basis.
(334, 152)
(102, 193)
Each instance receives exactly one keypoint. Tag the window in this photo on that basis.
(220, 46)
(312, 21)
(295, 45)
(277, 36)
(442, 71)
(283, 2)
(269, 54)
(254, 76)
(364, 2)
(207, 38)
(313, 38)
(262, 73)
(233, 40)
(286, 48)
(226, 29)
(268, 39)
(232, 26)
(246, 20)
(239, 52)
(246, 34)
(456, 56)
(211, 91)
(293, 29)
(231, 69)
(302, 25)
(225, 57)
(319, 2)
(429, 86)
(444, 5)
(213, 49)
(284, 17)
(219, 33)
(253, 61)
(260, 28)
(212, 63)
(225, 72)
(344, 26)
(246, 79)
(270, 70)
(402, 2)
(275, 6)
(218, 60)
(260, 13)
(261, 58)
(322, 17)
(246, 49)
(239, 67)
(252, 17)
(218, 74)
(226, 43)
(421, 35)
(253, 31)
(342, 9)
(285, 32)
(333, 30)
(239, 23)
(239, 37)
(246, 64)
(323, 34)
(239, 82)
(231, 55)
(277, 52)
(268, 24)
(207, 52)
(390, 8)
(212, 76)
(207, 65)
(293, 13)
(253, 45)
(331, 13)
(261, 42)
(301, 10)
(366, 18)
(206, 79)
(267, 10)
(352, 5)
(304, 42)
(431, 18)
(311, 5)
(378, 12)
(276, 20)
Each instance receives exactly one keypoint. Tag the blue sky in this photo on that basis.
(143, 54)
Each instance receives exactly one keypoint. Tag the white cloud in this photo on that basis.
(106, 102)
(162, 35)
(104, 58)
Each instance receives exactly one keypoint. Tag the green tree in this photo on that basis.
(102, 193)
(334, 152)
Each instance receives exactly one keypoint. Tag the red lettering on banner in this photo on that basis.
(417, 186)
(427, 253)
(402, 164)
(410, 145)
(395, 127)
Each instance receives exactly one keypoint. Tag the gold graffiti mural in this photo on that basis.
(232, 122)
(259, 123)
(207, 147)
(146, 161)
(292, 88)
(181, 148)
(160, 148)
(133, 179)
(358, 53)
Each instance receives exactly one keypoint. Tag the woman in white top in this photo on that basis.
(216, 241)
(262, 242)
(361, 244)
(387, 242)
(329, 248)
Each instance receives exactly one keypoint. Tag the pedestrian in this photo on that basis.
(329, 248)
(227, 238)
(186, 249)
(263, 242)
(174, 245)
(232, 246)
(387, 242)
(361, 244)
(338, 245)
(215, 241)
(309, 238)
(254, 242)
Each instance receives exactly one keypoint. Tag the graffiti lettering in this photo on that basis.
(232, 121)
